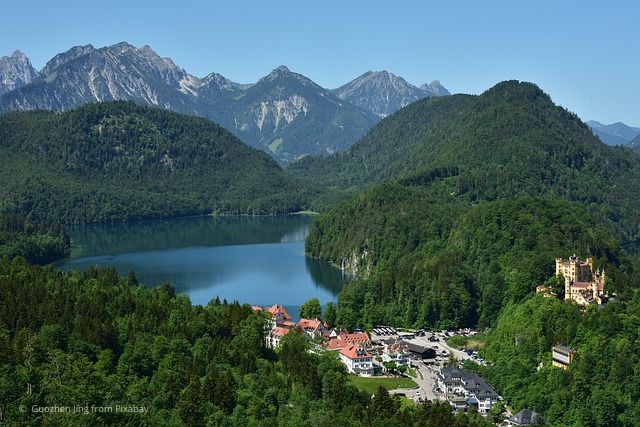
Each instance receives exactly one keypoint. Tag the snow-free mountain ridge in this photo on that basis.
(284, 113)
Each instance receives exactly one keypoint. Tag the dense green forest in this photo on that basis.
(36, 243)
(94, 339)
(482, 193)
(511, 140)
(120, 161)
(426, 262)
(473, 198)
(600, 388)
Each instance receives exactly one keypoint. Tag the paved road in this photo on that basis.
(426, 381)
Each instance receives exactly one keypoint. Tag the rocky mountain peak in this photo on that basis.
(382, 92)
(15, 71)
(19, 55)
(65, 57)
(436, 88)
(281, 69)
(277, 73)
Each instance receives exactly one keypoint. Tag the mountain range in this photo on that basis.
(383, 93)
(614, 134)
(284, 113)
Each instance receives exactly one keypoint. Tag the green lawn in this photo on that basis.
(371, 384)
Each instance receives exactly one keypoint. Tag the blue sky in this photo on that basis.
(586, 55)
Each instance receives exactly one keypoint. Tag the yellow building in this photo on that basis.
(581, 283)
(561, 356)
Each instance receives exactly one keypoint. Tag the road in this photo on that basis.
(426, 381)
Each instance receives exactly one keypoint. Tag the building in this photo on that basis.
(312, 327)
(421, 352)
(396, 352)
(581, 283)
(561, 356)
(280, 316)
(357, 360)
(274, 336)
(466, 389)
(340, 339)
(526, 417)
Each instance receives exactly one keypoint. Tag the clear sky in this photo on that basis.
(585, 54)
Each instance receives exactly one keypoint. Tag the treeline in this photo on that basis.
(427, 260)
(511, 140)
(119, 161)
(37, 243)
(601, 386)
(96, 339)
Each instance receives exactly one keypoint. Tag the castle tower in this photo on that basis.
(581, 283)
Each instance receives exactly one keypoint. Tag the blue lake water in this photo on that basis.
(255, 260)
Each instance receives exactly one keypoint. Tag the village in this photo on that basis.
(428, 367)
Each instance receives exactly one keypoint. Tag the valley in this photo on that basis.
(150, 256)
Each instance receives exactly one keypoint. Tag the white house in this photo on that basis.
(312, 327)
(458, 383)
(397, 352)
(357, 360)
(275, 335)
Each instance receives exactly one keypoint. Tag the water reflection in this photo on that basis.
(253, 260)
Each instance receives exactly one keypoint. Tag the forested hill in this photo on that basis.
(509, 140)
(483, 193)
(120, 161)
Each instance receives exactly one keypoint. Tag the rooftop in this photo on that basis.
(278, 309)
(354, 351)
(527, 417)
(562, 349)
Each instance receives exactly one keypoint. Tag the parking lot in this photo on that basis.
(426, 369)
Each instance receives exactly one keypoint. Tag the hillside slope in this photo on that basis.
(481, 194)
(511, 140)
(120, 161)
(284, 113)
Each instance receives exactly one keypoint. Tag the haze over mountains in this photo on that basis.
(284, 113)
(614, 134)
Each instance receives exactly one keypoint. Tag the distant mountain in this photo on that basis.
(120, 161)
(15, 71)
(614, 134)
(436, 88)
(383, 93)
(290, 116)
(85, 74)
(635, 144)
(284, 114)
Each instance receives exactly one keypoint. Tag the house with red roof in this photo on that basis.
(396, 352)
(313, 327)
(280, 316)
(342, 339)
(357, 360)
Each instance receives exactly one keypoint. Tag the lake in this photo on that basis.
(255, 260)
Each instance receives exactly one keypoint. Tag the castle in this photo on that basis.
(581, 283)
